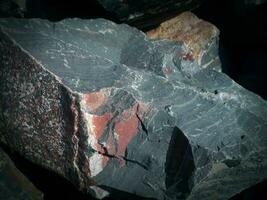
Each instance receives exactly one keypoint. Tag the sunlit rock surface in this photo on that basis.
(13, 184)
(111, 110)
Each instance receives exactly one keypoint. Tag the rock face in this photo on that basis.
(200, 37)
(111, 110)
(13, 184)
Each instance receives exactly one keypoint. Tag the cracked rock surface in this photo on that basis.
(111, 110)
(13, 184)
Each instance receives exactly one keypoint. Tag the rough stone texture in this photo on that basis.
(13, 184)
(111, 110)
(200, 37)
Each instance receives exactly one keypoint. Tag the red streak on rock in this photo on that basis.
(105, 161)
(99, 124)
(186, 56)
(167, 70)
(110, 145)
(126, 129)
(94, 100)
(110, 148)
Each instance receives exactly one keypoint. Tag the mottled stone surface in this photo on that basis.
(200, 37)
(111, 110)
(13, 184)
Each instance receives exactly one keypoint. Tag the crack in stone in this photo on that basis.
(142, 124)
(124, 158)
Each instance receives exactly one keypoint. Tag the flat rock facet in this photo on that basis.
(109, 109)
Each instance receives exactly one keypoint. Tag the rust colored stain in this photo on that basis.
(126, 129)
(110, 146)
(167, 70)
(105, 161)
(99, 124)
(186, 56)
(94, 100)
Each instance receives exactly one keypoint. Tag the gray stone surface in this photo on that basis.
(13, 184)
(111, 110)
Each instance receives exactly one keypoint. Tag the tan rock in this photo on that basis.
(199, 37)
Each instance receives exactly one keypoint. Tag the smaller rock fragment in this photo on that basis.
(198, 36)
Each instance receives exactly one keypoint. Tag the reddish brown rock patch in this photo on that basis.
(94, 100)
(126, 129)
(99, 124)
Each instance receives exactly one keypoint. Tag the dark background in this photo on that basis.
(243, 52)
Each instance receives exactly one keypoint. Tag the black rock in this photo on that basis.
(13, 184)
(145, 13)
(12, 8)
(111, 110)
